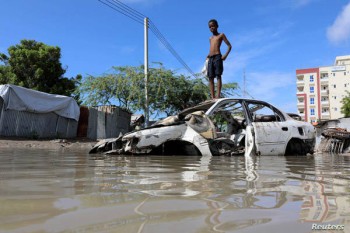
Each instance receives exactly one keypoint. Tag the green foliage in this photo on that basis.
(167, 92)
(126, 86)
(6, 76)
(228, 89)
(345, 109)
(180, 92)
(37, 66)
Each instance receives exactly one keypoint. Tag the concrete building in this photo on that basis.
(320, 90)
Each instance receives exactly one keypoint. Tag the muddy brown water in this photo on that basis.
(71, 191)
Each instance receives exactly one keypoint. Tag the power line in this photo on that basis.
(130, 9)
(138, 17)
(121, 10)
(164, 41)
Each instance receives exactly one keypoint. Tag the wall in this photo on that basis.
(107, 122)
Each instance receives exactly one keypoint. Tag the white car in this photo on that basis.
(219, 127)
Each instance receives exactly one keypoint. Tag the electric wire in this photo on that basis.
(120, 10)
(139, 18)
(135, 12)
(164, 41)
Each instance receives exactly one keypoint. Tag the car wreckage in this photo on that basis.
(223, 126)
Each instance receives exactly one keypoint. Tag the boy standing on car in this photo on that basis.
(215, 62)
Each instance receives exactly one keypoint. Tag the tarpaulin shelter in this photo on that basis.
(29, 113)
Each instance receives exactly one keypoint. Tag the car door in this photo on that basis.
(271, 130)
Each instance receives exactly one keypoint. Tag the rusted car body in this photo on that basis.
(219, 127)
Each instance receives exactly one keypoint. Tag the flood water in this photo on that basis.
(50, 191)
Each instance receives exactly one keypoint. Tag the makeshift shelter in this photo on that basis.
(28, 113)
(107, 122)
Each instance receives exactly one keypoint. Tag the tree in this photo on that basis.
(345, 109)
(229, 89)
(182, 92)
(167, 92)
(123, 86)
(126, 86)
(35, 65)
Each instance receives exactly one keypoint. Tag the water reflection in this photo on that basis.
(326, 191)
(47, 191)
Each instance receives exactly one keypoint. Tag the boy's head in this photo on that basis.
(213, 25)
(213, 21)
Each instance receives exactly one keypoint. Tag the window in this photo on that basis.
(229, 117)
(311, 89)
(312, 100)
(264, 113)
(345, 85)
(312, 112)
(311, 78)
(335, 109)
(335, 86)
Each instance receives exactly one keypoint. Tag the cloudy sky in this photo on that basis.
(270, 38)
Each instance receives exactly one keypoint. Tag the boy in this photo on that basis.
(215, 63)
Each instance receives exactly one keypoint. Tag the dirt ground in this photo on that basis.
(73, 144)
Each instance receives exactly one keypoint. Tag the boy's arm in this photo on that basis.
(209, 52)
(229, 47)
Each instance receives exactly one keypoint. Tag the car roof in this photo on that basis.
(204, 106)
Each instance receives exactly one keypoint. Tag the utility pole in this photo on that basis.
(244, 84)
(146, 72)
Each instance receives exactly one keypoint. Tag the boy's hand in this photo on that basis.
(223, 58)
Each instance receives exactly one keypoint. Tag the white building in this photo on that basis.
(320, 90)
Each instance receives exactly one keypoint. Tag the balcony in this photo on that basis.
(324, 80)
(324, 91)
(300, 90)
(300, 83)
(324, 102)
(300, 104)
(325, 114)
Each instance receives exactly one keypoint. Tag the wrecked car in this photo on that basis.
(218, 127)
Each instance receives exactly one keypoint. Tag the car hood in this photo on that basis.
(198, 121)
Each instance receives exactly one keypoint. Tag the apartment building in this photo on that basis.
(320, 90)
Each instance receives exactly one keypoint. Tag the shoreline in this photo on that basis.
(53, 144)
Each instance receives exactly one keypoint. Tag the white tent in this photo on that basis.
(23, 99)
(29, 113)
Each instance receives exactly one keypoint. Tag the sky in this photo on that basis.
(270, 39)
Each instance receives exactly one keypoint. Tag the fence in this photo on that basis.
(103, 122)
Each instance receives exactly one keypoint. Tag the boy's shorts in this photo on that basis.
(215, 66)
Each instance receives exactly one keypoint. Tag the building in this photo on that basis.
(320, 90)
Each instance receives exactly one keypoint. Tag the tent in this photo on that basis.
(28, 113)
